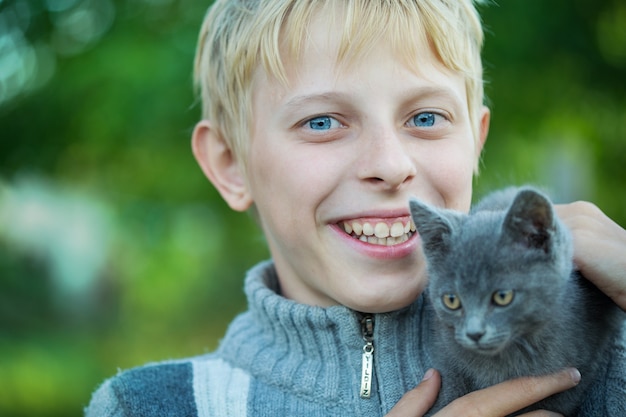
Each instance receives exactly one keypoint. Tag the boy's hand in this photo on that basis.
(497, 401)
(599, 248)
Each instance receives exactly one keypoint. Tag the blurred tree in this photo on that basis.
(556, 87)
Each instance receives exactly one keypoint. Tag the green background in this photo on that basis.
(115, 250)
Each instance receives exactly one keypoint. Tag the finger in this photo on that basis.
(599, 247)
(511, 396)
(541, 413)
(420, 399)
(585, 215)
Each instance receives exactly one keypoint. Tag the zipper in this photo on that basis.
(367, 367)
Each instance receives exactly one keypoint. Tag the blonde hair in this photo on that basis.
(239, 36)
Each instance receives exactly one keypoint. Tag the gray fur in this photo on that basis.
(511, 241)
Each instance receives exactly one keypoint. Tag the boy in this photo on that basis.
(324, 117)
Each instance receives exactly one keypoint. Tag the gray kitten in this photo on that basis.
(507, 302)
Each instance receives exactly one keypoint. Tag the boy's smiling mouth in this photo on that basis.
(383, 233)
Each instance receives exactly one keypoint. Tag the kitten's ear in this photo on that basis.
(530, 220)
(432, 225)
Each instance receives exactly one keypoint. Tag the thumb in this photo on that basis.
(420, 399)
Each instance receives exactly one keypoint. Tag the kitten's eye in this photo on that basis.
(451, 301)
(502, 297)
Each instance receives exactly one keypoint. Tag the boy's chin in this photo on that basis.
(376, 301)
(367, 290)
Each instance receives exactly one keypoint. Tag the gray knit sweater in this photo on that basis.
(281, 358)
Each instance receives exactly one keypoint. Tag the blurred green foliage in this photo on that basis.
(115, 250)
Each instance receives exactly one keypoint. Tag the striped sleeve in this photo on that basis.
(219, 389)
(159, 390)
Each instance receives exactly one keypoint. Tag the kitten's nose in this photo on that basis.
(475, 335)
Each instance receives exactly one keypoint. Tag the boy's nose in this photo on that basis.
(386, 162)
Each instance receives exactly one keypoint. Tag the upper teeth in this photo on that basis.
(380, 233)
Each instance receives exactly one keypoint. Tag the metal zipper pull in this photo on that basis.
(367, 368)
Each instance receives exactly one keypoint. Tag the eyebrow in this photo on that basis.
(409, 94)
(437, 92)
(302, 100)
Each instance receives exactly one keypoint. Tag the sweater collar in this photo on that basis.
(318, 351)
(299, 324)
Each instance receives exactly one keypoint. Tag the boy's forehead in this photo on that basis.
(325, 42)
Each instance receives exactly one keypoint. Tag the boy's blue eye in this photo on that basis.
(322, 123)
(425, 119)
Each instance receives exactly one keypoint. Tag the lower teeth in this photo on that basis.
(385, 241)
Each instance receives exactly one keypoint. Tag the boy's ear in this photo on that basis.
(220, 165)
(485, 117)
(483, 131)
